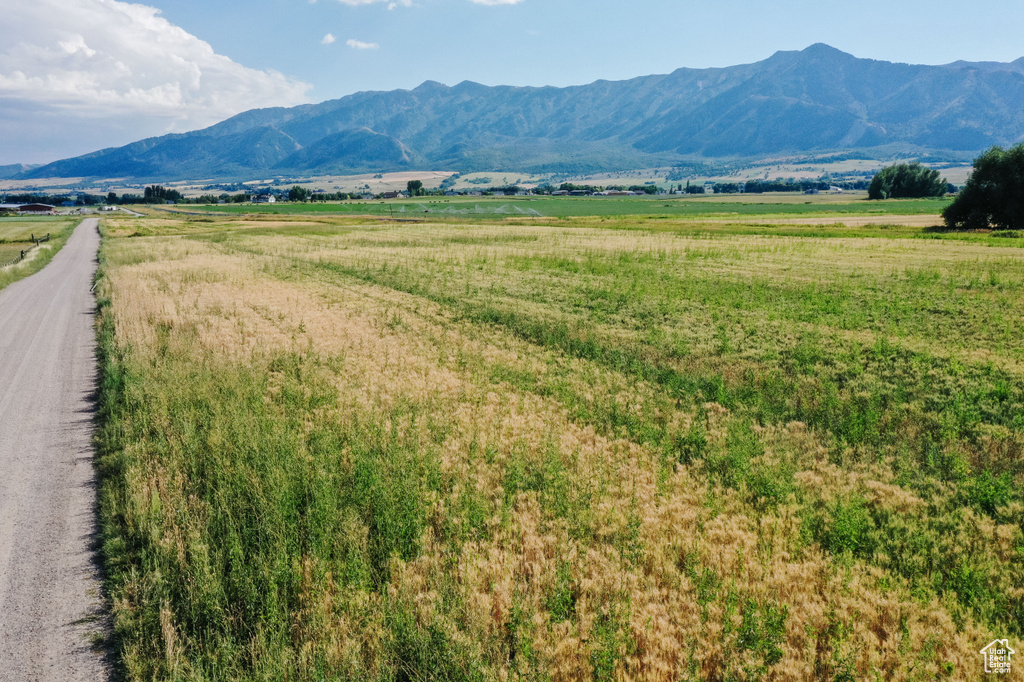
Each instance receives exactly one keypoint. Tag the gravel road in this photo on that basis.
(50, 608)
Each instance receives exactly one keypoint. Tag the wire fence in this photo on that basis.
(25, 252)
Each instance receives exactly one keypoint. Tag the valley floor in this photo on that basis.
(594, 448)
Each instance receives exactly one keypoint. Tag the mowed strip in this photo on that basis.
(49, 587)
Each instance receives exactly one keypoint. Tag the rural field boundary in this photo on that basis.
(26, 252)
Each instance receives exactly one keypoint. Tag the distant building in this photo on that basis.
(391, 195)
(264, 199)
(35, 209)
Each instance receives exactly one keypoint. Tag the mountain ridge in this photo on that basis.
(814, 100)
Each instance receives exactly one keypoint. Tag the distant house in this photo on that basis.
(391, 195)
(560, 193)
(264, 199)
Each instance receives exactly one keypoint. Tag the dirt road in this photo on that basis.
(49, 587)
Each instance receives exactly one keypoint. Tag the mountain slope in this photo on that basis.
(812, 100)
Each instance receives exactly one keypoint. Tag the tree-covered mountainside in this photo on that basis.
(812, 100)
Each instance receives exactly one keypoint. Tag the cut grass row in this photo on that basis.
(483, 208)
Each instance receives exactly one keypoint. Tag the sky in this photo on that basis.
(80, 75)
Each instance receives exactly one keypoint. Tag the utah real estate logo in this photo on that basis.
(997, 656)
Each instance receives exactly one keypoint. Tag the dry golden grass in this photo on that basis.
(665, 567)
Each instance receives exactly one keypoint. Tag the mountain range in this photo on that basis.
(796, 102)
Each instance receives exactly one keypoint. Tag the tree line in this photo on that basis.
(993, 196)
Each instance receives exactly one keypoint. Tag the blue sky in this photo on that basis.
(563, 42)
(78, 75)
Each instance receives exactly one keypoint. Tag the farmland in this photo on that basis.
(476, 208)
(585, 446)
(15, 237)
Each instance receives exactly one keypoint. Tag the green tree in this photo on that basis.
(297, 193)
(415, 188)
(905, 181)
(111, 198)
(993, 195)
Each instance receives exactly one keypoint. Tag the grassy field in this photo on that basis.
(343, 449)
(14, 238)
(475, 208)
(22, 229)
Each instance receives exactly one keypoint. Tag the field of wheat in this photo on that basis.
(339, 450)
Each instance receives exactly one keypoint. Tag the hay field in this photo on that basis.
(742, 207)
(334, 450)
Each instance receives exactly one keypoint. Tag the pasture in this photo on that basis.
(15, 235)
(596, 448)
(738, 207)
(21, 229)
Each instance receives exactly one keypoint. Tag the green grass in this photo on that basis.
(276, 504)
(476, 208)
(39, 257)
(21, 229)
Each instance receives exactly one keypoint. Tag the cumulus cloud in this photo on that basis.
(360, 45)
(109, 59)
(328, 39)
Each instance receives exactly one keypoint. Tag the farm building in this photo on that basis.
(41, 209)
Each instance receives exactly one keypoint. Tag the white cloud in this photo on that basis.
(391, 3)
(107, 59)
(328, 39)
(360, 45)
